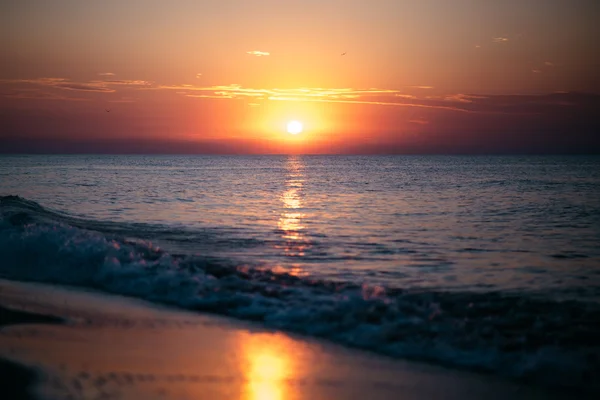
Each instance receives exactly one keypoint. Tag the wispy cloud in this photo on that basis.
(372, 96)
(106, 74)
(125, 82)
(258, 53)
(459, 102)
(36, 94)
(209, 96)
(543, 68)
(62, 83)
(405, 96)
(235, 91)
(500, 39)
(419, 121)
(104, 86)
(35, 81)
(84, 87)
(459, 98)
(198, 75)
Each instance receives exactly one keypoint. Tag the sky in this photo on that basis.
(365, 77)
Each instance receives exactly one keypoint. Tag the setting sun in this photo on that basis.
(294, 127)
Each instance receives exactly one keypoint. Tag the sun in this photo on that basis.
(294, 127)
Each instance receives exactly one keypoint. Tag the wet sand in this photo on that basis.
(112, 347)
(17, 380)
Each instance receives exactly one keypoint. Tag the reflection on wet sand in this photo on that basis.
(290, 223)
(269, 366)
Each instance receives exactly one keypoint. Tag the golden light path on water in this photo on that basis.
(291, 219)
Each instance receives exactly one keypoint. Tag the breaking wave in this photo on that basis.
(540, 341)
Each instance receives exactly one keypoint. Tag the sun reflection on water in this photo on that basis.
(291, 220)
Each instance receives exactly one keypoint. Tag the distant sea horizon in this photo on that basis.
(466, 154)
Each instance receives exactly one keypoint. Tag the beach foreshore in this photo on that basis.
(115, 347)
(18, 380)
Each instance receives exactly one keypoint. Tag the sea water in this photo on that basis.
(491, 263)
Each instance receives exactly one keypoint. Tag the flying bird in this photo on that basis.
(107, 110)
(344, 53)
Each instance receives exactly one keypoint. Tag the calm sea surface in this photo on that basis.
(264, 237)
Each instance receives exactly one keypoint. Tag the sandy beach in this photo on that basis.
(113, 347)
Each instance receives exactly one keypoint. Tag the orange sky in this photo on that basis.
(226, 76)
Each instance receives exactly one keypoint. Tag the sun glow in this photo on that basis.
(294, 127)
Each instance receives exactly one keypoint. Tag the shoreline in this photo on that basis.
(135, 349)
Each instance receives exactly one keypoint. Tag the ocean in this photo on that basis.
(485, 263)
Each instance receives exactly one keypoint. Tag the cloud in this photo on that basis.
(36, 81)
(83, 87)
(500, 39)
(209, 96)
(405, 96)
(61, 83)
(198, 75)
(124, 82)
(419, 121)
(36, 94)
(100, 86)
(535, 104)
(258, 53)
(235, 91)
(106, 74)
(545, 67)
(458, 97)
(459, 102)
